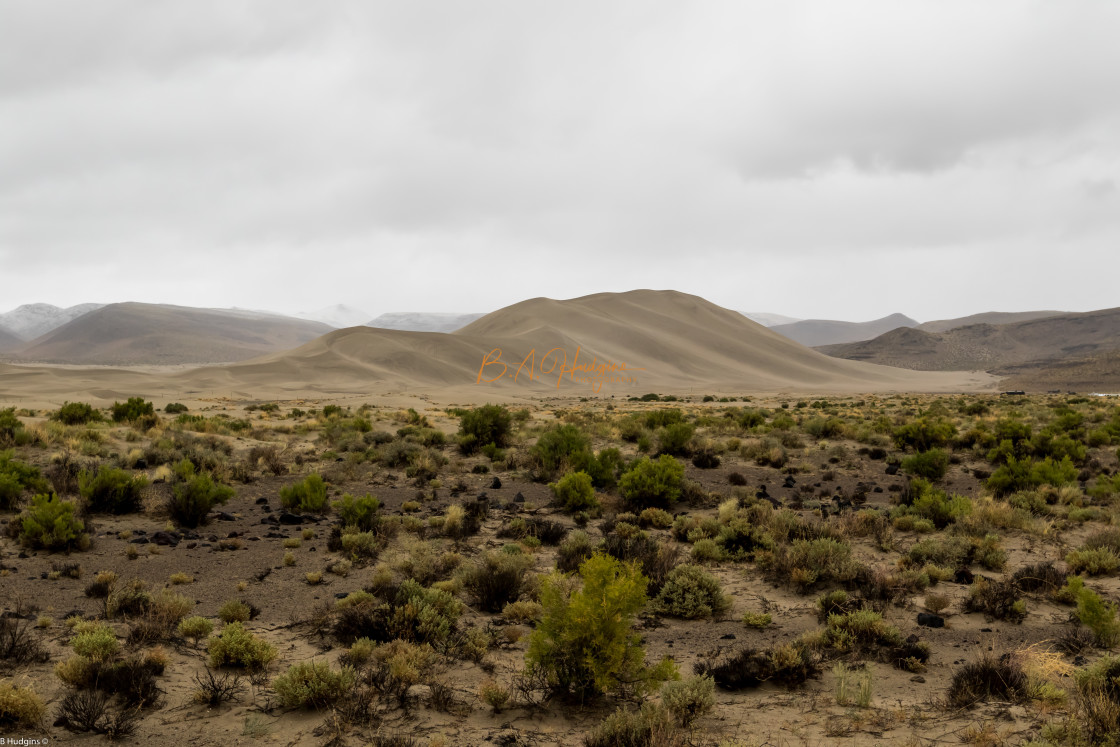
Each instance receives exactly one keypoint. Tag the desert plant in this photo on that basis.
(690, 698)
(988, 678)
(76, 413)
(929, 465)
(16, 478)
(20, 706)
(196, 628)
(1000, 599)
(494, 695)
(574, 492)
(96, 642)
(691, 592)
(213, 690)
(234, 611)
(756, 619)
(790, 665)
(496, 579)
(111, 490)
(237, 647)
(194, 495)
(489, 424)
(49, 523)
(309, 494)
(132, 410)
(573, 551)
(584, 644)
(360, 512)
(652, 483)
(312, 684)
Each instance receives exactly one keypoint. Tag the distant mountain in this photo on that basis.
(423, 321)
(9, 340)
(337, 316)
(991, 347)
(769, 320)
(34, 319)
(990, 317)
(146, 334)
(815, 332)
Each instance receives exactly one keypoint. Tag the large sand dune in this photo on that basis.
(666, 341)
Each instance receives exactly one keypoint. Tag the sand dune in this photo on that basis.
(666, 341)
(813, 332)
(125, 334)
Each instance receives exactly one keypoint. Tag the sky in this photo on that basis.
(841, 160)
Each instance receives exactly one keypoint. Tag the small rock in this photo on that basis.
(931, 621)
(262, 501)
(312, 549)
(892, 469)
(231, 535)
(139, 541)
(340, 595)
(985, 630)
(918, 678)
(495, 483)
(223, 516)
(192, 545)
(287, 517)
(519, 498)
(212, 538)
(168, 539)
(727, 637)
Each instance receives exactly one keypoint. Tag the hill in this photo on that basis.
(668, 341)
(816, 332)
(9, 340)
(34, 319)
(989, 317)
(148, 334)
(423, 321)
(767, 319)
(1041, 342)
(338, 316)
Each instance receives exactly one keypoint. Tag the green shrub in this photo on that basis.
(489, 424)
(1094, 613)
(175, 408)
(196, 628)
(927, 502)
(234, 611)
(1096, 561)
(111, 490)
(674, 439)
(1000, 599)
(688, 699)
(584, 644)
(76, 413)
(237, 647)
(360, 512)
(757, 619)
(575, 549)
(648, 483)
(652, 724)
(565, 446)
(313, 684)
(574, 492)
(691, 592)
(133, 410)
(49, 523)
(806, 563)
(309, 494)
(824, 427)
(96, 642)
(17, 477)
(193, 496)
(1023, 474)
(925, 433)
(930, 465)
(655, 517)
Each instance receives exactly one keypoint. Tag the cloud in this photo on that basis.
(451, 156)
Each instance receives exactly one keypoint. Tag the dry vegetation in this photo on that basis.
(911, 569)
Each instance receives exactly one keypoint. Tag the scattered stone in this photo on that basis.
(727, 637)
(918, 678)
(168, 539)
(262, 501)
(495, 483)
(192, 545)
(287, 517)
(139, 541)
(519, 498)
(790, 482)
(223, 516)
(892, 469)
(931, 621)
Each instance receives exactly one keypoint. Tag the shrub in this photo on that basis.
(806, 563)
(573, 551)
(574, 492)
(691, 592)
(76, 413)
(20, 706)
(927, 502)
(496, 579)
(237, 647)
(111, 490)
(930, 465)
(790, 665)
(360, 512)
(1096, 561)
(925, 433)
(674, 439)
(193, 496)
(1000, 599)
(688, 699)
(988, 678)
(650, 725)
(1093, 612)
(648, 483)
(175, 408)
(17, 477)
(96, 642)
(309, 494)
(655, 517)
(565, 445)
(18, 645)
(494, 695)
(757, 620)
(489, 424)
(234, 611)
(196, 628)
(313, 684)
(584, 644)
(49, 523)
(132, 410)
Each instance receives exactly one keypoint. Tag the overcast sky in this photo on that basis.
(817, 159)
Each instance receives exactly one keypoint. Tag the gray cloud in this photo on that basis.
(447, 156)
